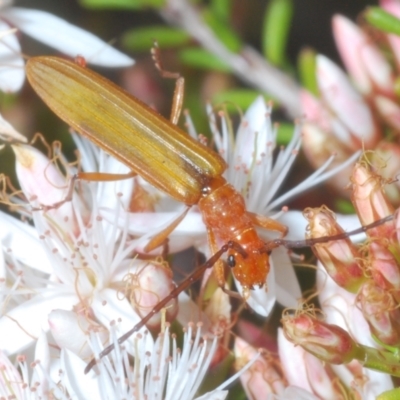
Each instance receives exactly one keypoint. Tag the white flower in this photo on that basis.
(159, 370)
(52, 31)
(86, 262)
(81, 261)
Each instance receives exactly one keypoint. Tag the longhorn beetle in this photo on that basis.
(170, 160)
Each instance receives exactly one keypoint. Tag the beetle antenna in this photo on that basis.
(292, 244)
(193, 277)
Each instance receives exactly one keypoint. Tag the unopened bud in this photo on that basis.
(387, 158)
(44, 185)
(380, 310)
(384, 268)
(347, 104)
(328, 342)
(370, 200)
(151, 283)
(263, 377)
(339, 257)
(366, 64)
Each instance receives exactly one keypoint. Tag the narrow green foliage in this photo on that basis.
(221, 9)
(235, 100)
(199, 58)
(344, 206)
(285, 133)
(142, 39)
(276, 28)
(382, 20)
(393, 394)
(122, 4)
(307, 70)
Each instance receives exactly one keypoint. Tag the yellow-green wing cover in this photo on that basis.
(123, 126)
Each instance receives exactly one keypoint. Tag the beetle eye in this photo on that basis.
(231, 261)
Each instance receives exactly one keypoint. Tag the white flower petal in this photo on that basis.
(42, 354)
(287, 287)
(349, 223)
(292, 359)
(21, 239)
(296, 223)
(296, 393)
(65, 37)
(7, 131)
(214, 395)
(22, 325)
(262, 300)
(189, 312)
(108, 306)
(70, 331)
(254, 133)
(375, 384)
(340, 308)
(10, 381)
(12, 73)
(80, 385)
(190, 232)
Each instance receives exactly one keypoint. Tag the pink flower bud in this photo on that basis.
(339, 257)
(303, 370)
(389, 110)
(368, 68)
(393, 7)
(323, 135)
(70, 331)
(370, 200)
(387, 155)
(151, 283)
(329, 343)
(263, 377)
(43, 185)
(384, 268)
(380, 310)
(346, 103)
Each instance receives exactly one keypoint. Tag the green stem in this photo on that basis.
(378, 360)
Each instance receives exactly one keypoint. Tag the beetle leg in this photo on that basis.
(104, 177)
(160, 237)
(268, 223)
(219, 269)
(177, 101)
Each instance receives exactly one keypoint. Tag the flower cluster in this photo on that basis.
(357, 111)
(84, 283)
(75, 274)
(357, 289)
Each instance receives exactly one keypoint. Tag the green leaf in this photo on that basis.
(276, 29)
(382, 20)
(122, 4)
(235, 100)
(393, 394)
(344, 206)
(221, 9)
(223, 32)
(142, 39)
(202, 59)
(285, 133)
(307, 70)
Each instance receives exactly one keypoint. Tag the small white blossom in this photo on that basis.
(52, 31)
